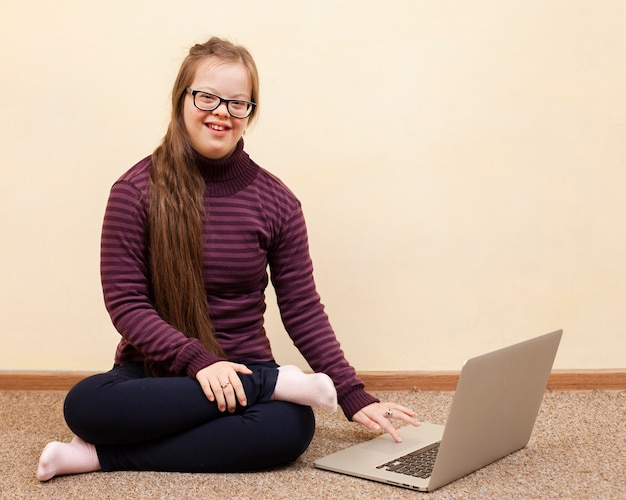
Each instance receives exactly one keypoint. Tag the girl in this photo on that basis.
(188, 236)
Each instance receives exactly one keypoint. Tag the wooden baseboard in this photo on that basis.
(560, 380)
(40, 381)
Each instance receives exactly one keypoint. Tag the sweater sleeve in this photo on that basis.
(124, 267)
(304, 317)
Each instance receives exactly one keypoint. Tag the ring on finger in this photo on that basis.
(224, 383)
(389, 413)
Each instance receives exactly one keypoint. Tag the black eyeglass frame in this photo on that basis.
(193, 92)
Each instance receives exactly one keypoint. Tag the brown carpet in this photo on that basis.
(577, 451)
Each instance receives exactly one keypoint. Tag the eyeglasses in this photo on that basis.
(210, 102)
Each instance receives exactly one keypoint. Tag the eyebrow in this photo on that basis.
(243, 96)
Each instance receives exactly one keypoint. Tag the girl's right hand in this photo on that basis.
(221, 384)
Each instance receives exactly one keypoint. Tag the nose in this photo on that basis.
(221, 110)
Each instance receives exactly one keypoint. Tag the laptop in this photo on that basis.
(492, 415)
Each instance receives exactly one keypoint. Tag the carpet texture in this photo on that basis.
(577, 451)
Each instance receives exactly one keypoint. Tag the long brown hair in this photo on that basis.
(176, 208)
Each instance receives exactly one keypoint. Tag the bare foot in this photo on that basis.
(67, 458)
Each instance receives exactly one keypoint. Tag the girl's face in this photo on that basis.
(215, 134)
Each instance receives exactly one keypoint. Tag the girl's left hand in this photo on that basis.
(377, 416)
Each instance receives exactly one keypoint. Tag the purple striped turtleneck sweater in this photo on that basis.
(254, 222)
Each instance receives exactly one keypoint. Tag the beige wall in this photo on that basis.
(461, 165)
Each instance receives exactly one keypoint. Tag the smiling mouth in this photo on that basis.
(218, 128)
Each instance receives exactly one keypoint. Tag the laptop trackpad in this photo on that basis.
(413, 438)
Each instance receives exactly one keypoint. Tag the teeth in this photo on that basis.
(217, 127)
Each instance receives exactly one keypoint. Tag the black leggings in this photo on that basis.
(138, 422)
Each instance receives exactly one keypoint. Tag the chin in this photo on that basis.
(216, 153)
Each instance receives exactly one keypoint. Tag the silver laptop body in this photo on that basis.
(492, 415)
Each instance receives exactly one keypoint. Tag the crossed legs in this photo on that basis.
(127, 421)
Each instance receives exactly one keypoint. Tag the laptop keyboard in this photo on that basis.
(417, 463)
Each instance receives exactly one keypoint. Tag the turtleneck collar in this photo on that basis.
(229, 175)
